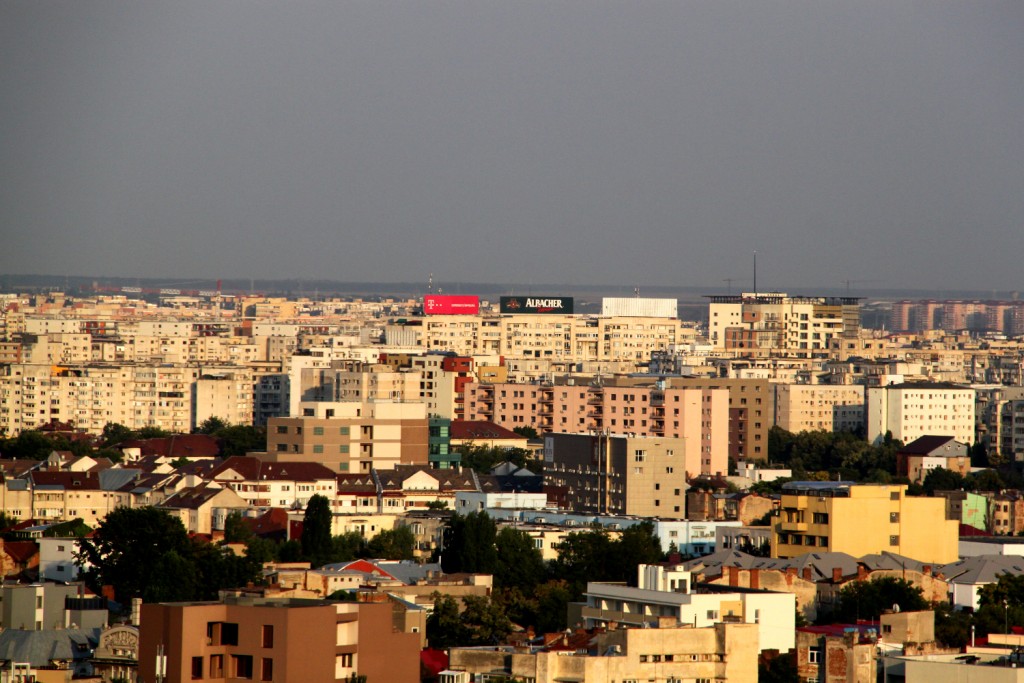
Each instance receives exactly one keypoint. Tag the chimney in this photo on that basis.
(755, 578)
(837, 574)
(927, 570)
(790, 571)
(734, 576)
(862, 572)
(807, 574)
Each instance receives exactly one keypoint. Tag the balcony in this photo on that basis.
(789, 527)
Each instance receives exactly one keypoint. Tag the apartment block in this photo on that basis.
(860, 519)
(643, 476)
(911, 410)
(769, 323)
(275, 640)
(351, 436)
(699, 416)
(828, 407)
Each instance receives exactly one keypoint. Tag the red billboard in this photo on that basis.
(451, 304)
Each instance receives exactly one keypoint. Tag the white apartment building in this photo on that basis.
(667, 592)
(763, 323)
(912, 410)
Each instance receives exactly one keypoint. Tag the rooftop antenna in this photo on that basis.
(636, 292)
(430, 284)
(755, 272)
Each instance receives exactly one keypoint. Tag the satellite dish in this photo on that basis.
(896, 607)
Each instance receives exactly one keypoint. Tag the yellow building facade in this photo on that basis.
(860, 519)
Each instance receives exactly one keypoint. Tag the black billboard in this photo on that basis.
(536, 304)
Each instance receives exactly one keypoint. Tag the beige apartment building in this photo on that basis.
(351, 436)
(912, 410)
(810, 407)
(770, 323)
(702, 416)
(723, 652)
(559, 339)
(90, 395)
(643, 476)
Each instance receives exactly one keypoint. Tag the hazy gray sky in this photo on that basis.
(596, 142)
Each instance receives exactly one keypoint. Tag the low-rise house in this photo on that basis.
(266, 484)
(967, 576)
(416, 487)
(48, 654)
(204, 508)
(89, 496)
(57, 559)
(926, 453)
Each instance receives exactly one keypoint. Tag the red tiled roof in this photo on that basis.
(254, 469)
(69, 480)
(21, 551)
(481, 429)
(177, 446)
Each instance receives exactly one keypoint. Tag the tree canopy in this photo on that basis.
(317, 544)
(146, 553)
(869, 599)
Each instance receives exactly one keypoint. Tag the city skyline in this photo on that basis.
(587, 143)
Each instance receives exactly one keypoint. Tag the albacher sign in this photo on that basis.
(450, 304)
(536, 304)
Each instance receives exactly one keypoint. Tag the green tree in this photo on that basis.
(211, 425)
(1000, 605)
(778, 669)
(636, 545)
(152, 432)
(868, 599)
(236, 530)
(486, 622)
(115, 433)
(75, 527)
(582, 557)
(317, 544)
(527, 431)
(393, 544)
(141, 552)
(349, 546)
(444, 625)
(521, 565)
(470, 544)
(941, 479)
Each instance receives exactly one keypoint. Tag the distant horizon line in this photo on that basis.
(311, 286)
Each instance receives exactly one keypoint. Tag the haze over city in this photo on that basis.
(577, 142)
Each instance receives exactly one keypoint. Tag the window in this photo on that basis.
(242, 665)
(267, 669)
(344, 448)
(282, 429)
(318, 448)
(197, 668)
(344, 431)
(268, 635)
(712, 614)
(318, 431)
(894, 517)
(894, 540)
(814, 655)
(216, 666)
(820, 518)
